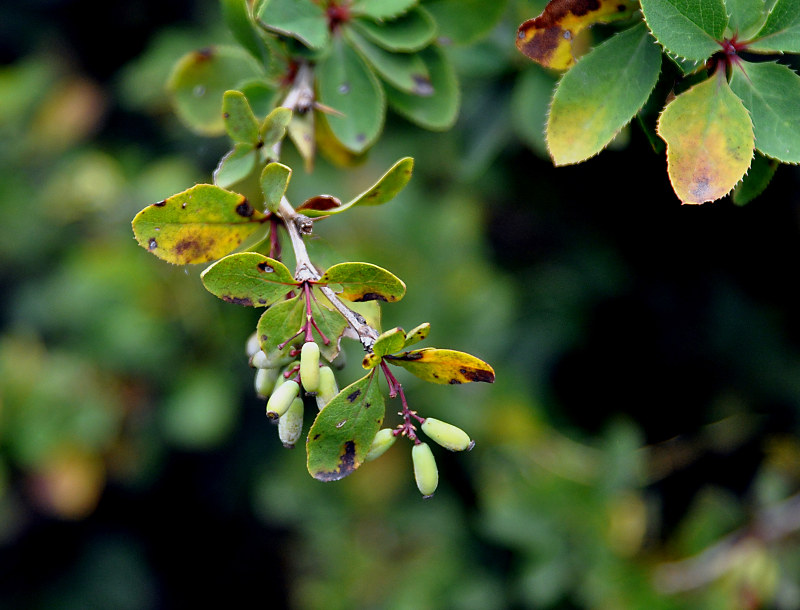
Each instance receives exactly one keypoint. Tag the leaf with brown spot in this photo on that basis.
(341, 436)
(547, 39)
(199, 225)
(364, 282)
(444, 366)
(249, 279)
(387, 343)
(278, 324)
(320, 203)
(709, 139)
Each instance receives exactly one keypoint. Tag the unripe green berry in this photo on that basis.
(253, 345)
(384, 439)
(259, 360)
(309, 366)
(265, 381)
(282, 398)
(327, 386)
(425, 472)
(447, 435)
(290, 425)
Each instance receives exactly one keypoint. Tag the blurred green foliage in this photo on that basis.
(647, 358)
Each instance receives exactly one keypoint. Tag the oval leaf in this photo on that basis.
(757, 179)
(444, 366)
(600, 95)
(273, 129)
(464, 21)
(364, 282)
(248, 279)
(235, 166)
(547, 39)
(413, 31)
(387, 343)
(278, 324)
(330, 323)
(709, 140)
(199, 225)
(347, 85)
(341, 436)
(240, 122)
(274, 181)
(420, 333)
(301, 19)
(199, 81)
(771, 91)
(687, 28)
(237, 17)
(781, 30)
(381, 9)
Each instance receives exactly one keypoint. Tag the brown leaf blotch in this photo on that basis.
(160, 204)
(238, 300)
(152, 244)
(478, 375)
(371, 296)
(347, 464)
(245, 209)
(352, 397)
(263, 266)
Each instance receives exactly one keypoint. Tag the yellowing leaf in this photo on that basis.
(444, 366)
(199, 225)
(547, 39)
(709, 139)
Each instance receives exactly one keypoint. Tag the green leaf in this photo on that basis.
(248, 279)
(330, 322)
(387, 343)
(771, 93)
(601, 94)
(200, 79)
(273, 129)
(364, 282)
(235, 166)
(464, 21)
(199, 225)
(530, 103)
(709, 140)
(417, 334)
(781, 31)
(687, 28)
(405, 71)
(301, 19)
(277, 325)
(341, 436)
(443, 366)
(438, 111)
(301, 133)
(757, 179)
(381, 9)
(274, 181)
(745, 15)
(348, 85)
(261, 95)
(240, 123)
(413, 31)
(237, 17)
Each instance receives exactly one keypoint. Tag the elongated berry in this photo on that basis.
(253, 345)
(327, 386)
(309, 366)
(384, 439)
(447, 435)
(265, 381)
(425, 472)
(282, 398)
(290, 424)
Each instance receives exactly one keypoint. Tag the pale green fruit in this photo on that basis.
(384, 439)
(259, 360)
(309, 366)
(290, 425)
(447, 435)
(327, 386)
(265, 381)
(252, 345)
(425, 472)
(282, 398)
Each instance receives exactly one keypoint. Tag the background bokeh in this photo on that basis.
(638, 450)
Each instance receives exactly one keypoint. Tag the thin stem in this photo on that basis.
(407, 428)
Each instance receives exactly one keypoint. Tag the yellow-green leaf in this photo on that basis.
(709, 139)
(364, 282)
(199, 225)
(387, 343)
(444, 366)
(547, 39)
(248, 278)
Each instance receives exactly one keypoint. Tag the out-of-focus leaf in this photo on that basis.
(687, 28)
(273, 129)
(301, 133)
(709, 140)
(330, 148)
(237, 17)
(248, 279)
(547, 39)
(771, 93)
(199, 225)
(405, 71)
(199, 81)
(364, 282)
(274, 181)
(349, 86)
(781, 31)
(444, 366)
(757, 179)
(340, 437)
(235, 166)
(464, 21)
(304, 20)
(438, 111)
(240, 123)
(600, 95)
(413, 31)
(382, 9)
(530, 102)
